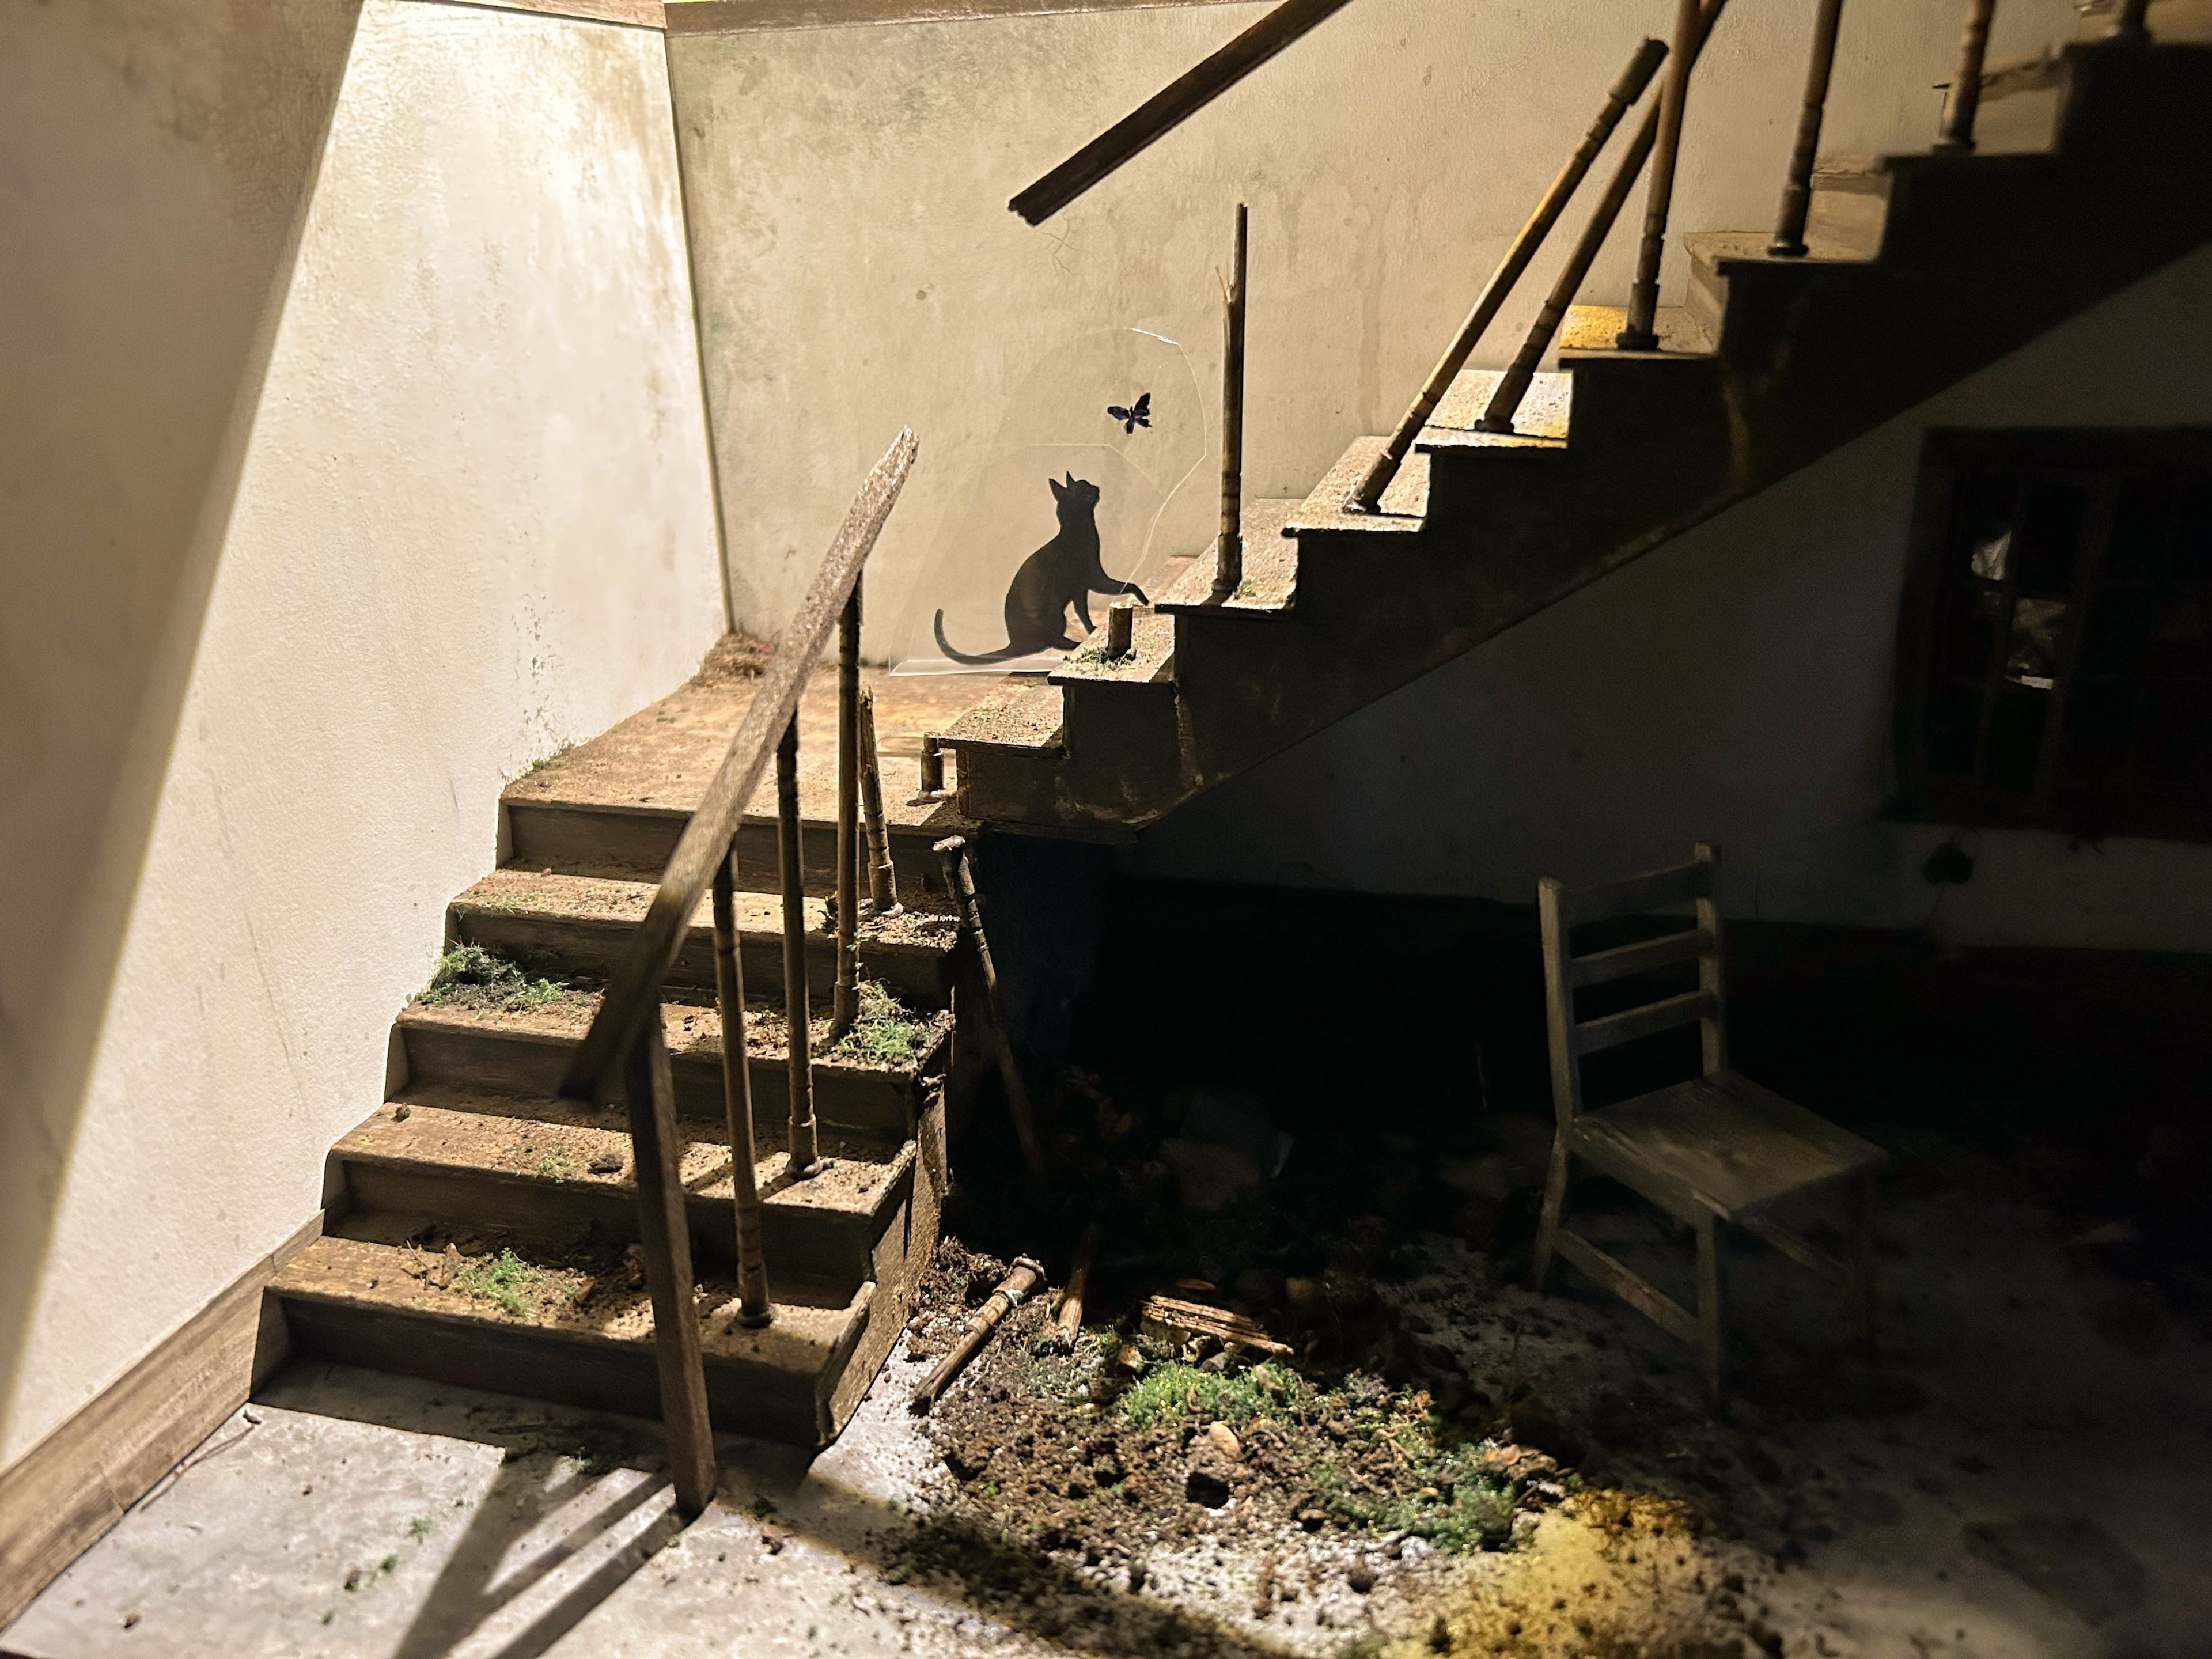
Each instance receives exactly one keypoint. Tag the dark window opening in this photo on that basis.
(2056, 659)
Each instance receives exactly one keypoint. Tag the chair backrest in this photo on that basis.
(1697, 884)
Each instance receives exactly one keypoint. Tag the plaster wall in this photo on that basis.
(859, 269)
(1735, 686)
(354, 459)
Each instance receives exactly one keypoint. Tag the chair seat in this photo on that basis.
(1722, 1143)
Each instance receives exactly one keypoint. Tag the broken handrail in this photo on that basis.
(658, 939)
(1171, 106)
(1367, 496)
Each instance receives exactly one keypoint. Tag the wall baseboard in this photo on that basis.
(60, 1496)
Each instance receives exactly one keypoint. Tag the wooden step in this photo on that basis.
(462, 1159)
(526, 1051)
(572, 926)
(585, 1338)
(1270, 583)
(599, 838)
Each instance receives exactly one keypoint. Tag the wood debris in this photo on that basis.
(1179, 1322)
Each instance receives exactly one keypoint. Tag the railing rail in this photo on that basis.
(624, 1051)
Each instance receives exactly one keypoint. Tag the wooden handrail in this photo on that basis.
(1171, 106)
(1367, 495)
(633, 989)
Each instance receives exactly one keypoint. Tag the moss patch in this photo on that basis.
(470, 977)
(509, 1282)
(884, 1034)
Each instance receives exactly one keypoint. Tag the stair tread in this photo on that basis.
(1405, 503)
(1592, 329)
(1151, 657)
(921, 923)
(601, 1308)
(660, 759)
(1540, 423)
(1271, 568)
(690, 1028)
(536, 1140)
(1024, 713)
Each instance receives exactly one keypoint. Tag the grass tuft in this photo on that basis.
(470, 977)
(884, 1034)
(501, 1279)
(1166, 1391)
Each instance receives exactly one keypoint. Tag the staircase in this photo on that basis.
(1922, 269)
(484, 1228)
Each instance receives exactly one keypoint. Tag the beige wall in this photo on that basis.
(303, 558)
(859, 269)
(1735, 686)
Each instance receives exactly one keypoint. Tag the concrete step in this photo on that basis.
(557, 835)
(583, 1334)
(526, 1051)
(569, 925)
(1270, 583)
(461, 1159)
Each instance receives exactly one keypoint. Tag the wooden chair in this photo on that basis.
(1715, 1150)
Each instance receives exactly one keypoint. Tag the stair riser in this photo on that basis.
(1121, 746)
(635, 845)
(570, 946)
(818, 1257)
(570, 1368)
(1642, 407)
(847, 1100)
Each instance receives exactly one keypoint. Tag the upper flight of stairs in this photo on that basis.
(1923, 269)
(480, 1234)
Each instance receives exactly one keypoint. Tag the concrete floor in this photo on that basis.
(2029, 1474)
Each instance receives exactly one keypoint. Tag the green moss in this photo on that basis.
(470, 977)
(884, 1034)
(1237, 1397)
(502, 1279)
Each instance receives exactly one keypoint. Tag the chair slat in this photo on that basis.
(1643, 957)
(1592, 1035)
(1654, 890)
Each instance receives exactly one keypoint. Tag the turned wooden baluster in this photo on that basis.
(1229, 548)
(845, 1002)
(805, 1153)
(1797, 189)
(882, 876)
(738, 1099)
(1966, 98)
(1513, 384)
(665, 1231)
(2129, 25)
(1368, 495)
(1641, 333)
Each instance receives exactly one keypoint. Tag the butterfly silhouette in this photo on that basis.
(1138, 414)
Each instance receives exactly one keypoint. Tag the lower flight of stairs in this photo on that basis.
(483, 1228)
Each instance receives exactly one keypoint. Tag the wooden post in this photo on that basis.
(655, 1149)
(1120, 628)
(845, 1002)
(1513, 384)
(1642, 65)
(1966, 98)
(737, 1100)
(806, 1153)
(1229, 546)
(1068, 1321)
(883, 879)
(1789, 241)
(931, 785)
(960, 883)
(1641, 333)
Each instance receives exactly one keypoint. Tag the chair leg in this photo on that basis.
(1712, 1326)
(1555, 1204)
(1865, 1301)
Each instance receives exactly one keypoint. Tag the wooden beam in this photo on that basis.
(1645, 956)
(1649, 1020)
(1171, 106)
(1638, 1293)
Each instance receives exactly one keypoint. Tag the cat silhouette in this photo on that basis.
(1064, 572)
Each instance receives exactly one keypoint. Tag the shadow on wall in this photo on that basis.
(156, 160)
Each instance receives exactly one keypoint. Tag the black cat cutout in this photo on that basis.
(1138, 414)
(1064, 572)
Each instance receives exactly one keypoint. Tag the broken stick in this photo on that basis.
(882, 880)
(1069, 1319)
(1178, 1321)
(960, 882)
(1021, 1278)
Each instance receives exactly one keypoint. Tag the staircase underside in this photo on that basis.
(1923, 270)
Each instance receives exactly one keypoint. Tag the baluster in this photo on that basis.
(1641, 332)
(1642, 65)
(805, 1157)
(1797, 189)
(664, 1233)
(1120, 628)
(883, 877)
(738, 1098)
(2128, 25)
(845, 1002)
(930, 784)
(960, 883)
(1228, 549)
(1966, 98)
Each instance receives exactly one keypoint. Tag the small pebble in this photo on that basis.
(1360, 1576)
(607, 1164)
